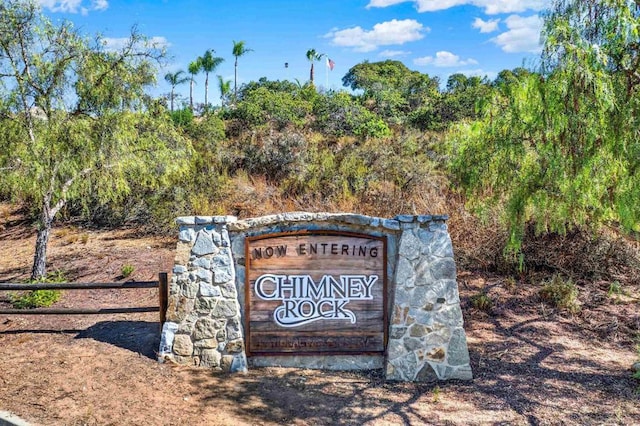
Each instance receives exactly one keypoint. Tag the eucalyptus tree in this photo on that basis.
(194, 69)
(209, 63)
(225, 89)
(75, 118)
(560, 149)
(313, 56)
(239, 49)
(175, 79)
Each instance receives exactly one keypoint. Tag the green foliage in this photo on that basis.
(390, 89)
(561, 293)
(182, 117)
(208, 64)
(436, 394)
(560, 150)
(275, 156)
(78, 126)
(272, 103)
(339, 114)
(127, 270)
(615, 289)
(482, 302)
(40, 298)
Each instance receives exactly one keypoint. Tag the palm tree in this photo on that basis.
(225, 88)
(209, 63)
(194, 69)
(175, 79)
(239, 49)
(313, 56)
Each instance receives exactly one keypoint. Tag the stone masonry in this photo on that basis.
(203, 324)
(426, 340)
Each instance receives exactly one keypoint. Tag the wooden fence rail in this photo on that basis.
(163, 297)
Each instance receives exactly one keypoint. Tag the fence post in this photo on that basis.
(163, 294)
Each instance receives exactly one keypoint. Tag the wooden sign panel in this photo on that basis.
(315, 293)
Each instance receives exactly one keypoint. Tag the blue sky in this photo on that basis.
(436, 37)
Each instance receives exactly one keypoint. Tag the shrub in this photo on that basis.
(561, 293)
(276, 156)
(127, 270)
(339, 114)
(482, 302)
(40, 298)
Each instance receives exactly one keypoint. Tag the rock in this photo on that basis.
(410, 245)
(426, 374)
(168, 335)
(225, 309)
(203, 245)
(186, 235)
(210, 358)
(182, 345)
(208, 290)
(205, 328)
(458, 351)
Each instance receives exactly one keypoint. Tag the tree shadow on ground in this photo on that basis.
(136, 336)
(520, 375)
(141, 337)
(317, 397)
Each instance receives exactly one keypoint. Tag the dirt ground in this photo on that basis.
(532, 365)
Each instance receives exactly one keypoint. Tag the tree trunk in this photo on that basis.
(191, 93)
(311, 74)
(235, 79)
(172, 95)
(206, 90)
(40, 257)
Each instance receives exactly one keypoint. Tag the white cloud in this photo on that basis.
(490, 7)
(384, 3)
(393, 53)
(115, 44)
(74, 6)
(523, 34)
(100, 4)
(444, 59)
(392, 32)
(486, 26)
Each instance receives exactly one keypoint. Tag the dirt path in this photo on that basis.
(531, 365)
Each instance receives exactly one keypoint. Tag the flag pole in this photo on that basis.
(326, 70)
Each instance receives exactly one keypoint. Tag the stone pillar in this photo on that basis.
(203, 317)
(426, 339)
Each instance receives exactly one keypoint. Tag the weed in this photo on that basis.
(40, 298)
(71, 239)
(614, 288)
(127, 270)
(84, 238)
(436, 394)
(562, 294)
(482, 302)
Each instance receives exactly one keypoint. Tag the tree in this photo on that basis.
(392, 90)
(560, 150)
(175, 79)
(313, 56)
(239, 49)
(225, 88)
(194, 68)
(209, 63)
(75, 119)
